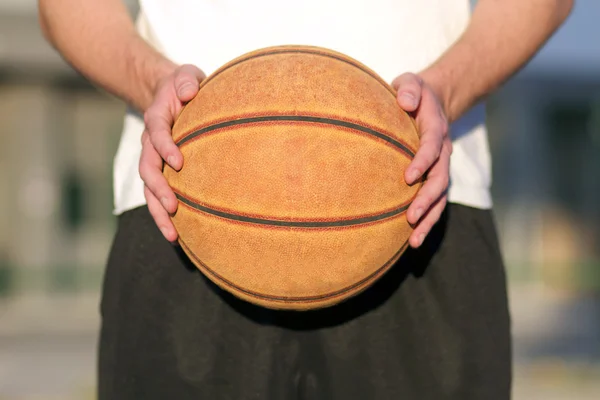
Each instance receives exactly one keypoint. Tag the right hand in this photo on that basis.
(158, 147)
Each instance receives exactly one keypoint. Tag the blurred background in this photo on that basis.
(58, 136)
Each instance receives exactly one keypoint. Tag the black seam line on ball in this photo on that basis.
(298, 118)
(293, 224)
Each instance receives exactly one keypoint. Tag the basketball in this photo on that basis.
(292, 191)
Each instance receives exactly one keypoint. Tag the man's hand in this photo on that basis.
(157, 143)
(498, 41)
(432, 160)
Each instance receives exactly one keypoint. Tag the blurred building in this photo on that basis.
(545, 140)
(59, 135)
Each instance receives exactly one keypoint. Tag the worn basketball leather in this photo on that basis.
(292, 192)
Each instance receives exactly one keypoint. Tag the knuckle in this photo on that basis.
(445, 182)
(145, 139)
(148, 115)
(444, 127)
(183, 79)
(155, 211)
(413, 78)
(167, 134)
(143, 170)
(430, 198)
(161, 146)
(430, 160)
(146, 173)
(438, 149)
(425, 226)
(189, 69)
(409, 80)
(428, 142)
(414, 89)
(438, 212)
(427, 158)
(150, 197)
(441, 181)
(443, 187)
(434, 155)
(443, 202)
(426, 199)
(155, 141)
(448, 146)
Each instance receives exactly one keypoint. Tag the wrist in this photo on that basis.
(441, 85)
(157, 72)
(150, 68)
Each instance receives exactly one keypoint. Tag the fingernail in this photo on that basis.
(421, 238)
(164, 202)
(185, 89)
(418, 214)
(414, 175)
(409, 99)
(164, 231)
(171, 161)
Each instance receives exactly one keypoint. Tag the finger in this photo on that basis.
(187, 81)
(434, 130)
(150, 169)
(424, 227)
(435, 186)
(159, 120)
(160, 216)
(409, 87)
(429, 151)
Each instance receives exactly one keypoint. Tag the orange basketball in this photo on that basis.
(292, 193)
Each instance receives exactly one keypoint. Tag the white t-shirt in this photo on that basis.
(389, 36)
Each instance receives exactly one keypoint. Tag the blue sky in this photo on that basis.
(575, 48)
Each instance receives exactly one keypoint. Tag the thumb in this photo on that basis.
(187, 81)
(409, 87)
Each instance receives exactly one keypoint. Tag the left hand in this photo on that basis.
(432, 159)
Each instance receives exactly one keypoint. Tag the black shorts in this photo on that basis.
(436, 326)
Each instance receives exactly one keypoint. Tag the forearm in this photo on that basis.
(99, 40)
(502, 37)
